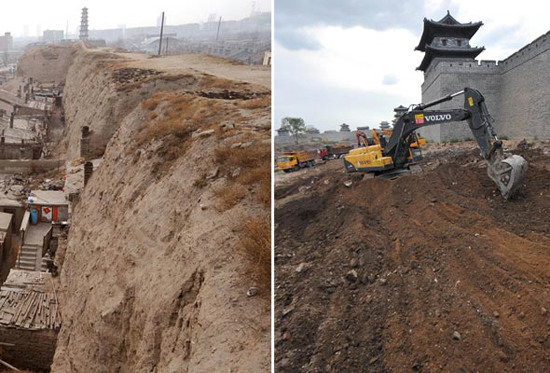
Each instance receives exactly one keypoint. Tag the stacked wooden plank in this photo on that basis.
(29, 309)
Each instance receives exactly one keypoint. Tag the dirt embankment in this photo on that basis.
(170, 232)
(427, 273)
(46, 64)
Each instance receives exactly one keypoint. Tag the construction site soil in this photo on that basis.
(433, 272)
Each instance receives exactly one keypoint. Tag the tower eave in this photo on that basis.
(434, 52)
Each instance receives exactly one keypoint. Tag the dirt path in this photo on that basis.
(431, 273)
(220, 67)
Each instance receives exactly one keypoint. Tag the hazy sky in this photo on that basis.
(33, 16)
(354, 61)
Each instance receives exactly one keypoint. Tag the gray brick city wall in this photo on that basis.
(516, 91)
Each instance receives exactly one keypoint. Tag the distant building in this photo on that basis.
(384, 125)
(6, 42)
(267, 59)
(344, 128)
(311, 129)
(52, 36)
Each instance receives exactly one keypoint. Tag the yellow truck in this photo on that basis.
(293, 161)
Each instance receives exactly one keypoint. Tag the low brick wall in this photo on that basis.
(25, 166)
(33, 349)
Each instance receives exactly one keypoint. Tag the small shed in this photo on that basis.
(10, 205)
(48, 206)
(29, 319)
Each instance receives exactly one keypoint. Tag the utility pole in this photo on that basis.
(218, 33)
(161, 30)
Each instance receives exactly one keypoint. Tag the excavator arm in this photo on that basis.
(507, 173)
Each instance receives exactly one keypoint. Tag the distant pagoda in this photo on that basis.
(384, 125)
(84, 25)
(449, 39)
(344, 127)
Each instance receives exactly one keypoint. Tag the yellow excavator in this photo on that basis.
(397, 155)
(379, 137)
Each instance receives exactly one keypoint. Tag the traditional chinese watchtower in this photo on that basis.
(447, 39)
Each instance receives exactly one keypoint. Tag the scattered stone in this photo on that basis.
(288, 310)
(227, 125)
(253, 290)
(236, 145)
(285, 362)
(203, 206)
(302, 266)
(348, 183)
(245, 144)
(437, 313)
(373, 360)
(383, 281)
(351, 276)
(457, 336)
(236, 172)
(214, 173)
(326, 182)
(502, 356)
(521, 315)
(353, 262)
(204, 133)
(543, 311)
(496, 314)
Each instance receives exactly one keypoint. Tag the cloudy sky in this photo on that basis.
(354, 61)
(30, 16)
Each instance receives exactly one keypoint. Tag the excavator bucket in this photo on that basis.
(507, 173)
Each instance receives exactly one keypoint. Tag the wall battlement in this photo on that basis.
(450, 66)
(528, 52)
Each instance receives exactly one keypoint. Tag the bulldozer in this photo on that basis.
(398, 155)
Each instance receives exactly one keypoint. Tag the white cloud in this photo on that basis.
(342, 80)
(354, 61)
(358, 58)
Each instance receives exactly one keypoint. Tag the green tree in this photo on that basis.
(295, 126)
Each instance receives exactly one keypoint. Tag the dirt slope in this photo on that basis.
(427, 273)
(46, 64)
(169, 235)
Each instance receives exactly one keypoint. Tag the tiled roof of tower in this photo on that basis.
(447, 26)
